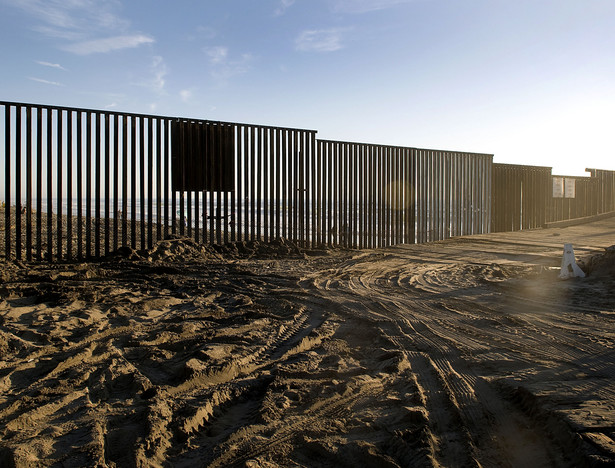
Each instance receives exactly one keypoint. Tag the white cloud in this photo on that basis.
(40, 80)
(51, 65)
(223, 66)
(73, 19)
(202, 32)
(217, 54)
(283, 6)
(154, 78)
(89, 26)
(159, 69)
(186, 95)
(320, 40)
(108, 44)
(365, 6)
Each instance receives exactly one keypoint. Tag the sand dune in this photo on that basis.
(466, 352)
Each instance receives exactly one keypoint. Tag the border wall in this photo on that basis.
(80, 183)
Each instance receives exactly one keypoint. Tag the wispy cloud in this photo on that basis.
(108, 44)
(159, 70)
(47, 82)
(223, 65)
(71, 19)
(283, 5)
(217, 54)
(89, 26)
(202, 32)
(154, 78)
(51, 65)
(320, 40)
(365, 6)
(186, 95)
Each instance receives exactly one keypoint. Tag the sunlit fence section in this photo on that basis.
(520, 196)
(576, 197)
(528, 197)
(375, 195)
(605, 191)
(81, 183)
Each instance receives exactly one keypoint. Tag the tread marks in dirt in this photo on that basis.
(470, 422)
(158, 373)
(380, 363)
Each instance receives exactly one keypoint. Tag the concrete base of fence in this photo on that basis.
(576, 221)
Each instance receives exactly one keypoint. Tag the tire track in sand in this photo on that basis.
(471, 423)
(254, 441)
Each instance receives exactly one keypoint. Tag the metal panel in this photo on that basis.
(97, 184)
(158, 156)
(50, 184)
(28, 155)
(7, 180)
(133, 184)
(18, 156)
(69, 184)
(59, 186)
(107, 156)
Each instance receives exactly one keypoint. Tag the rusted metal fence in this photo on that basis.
(579, 198)
(520, 195)
(605, 192)
(527, 197)
(80, 183)
(375, 195)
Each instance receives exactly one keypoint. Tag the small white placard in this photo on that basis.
(558, 187)
(570, 188)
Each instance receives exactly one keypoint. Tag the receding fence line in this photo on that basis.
(528, 197)
(605, 201)
(519, 196)
(117, 179)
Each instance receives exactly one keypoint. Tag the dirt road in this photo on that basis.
(467, 352)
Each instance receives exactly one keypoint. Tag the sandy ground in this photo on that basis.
(467, 352)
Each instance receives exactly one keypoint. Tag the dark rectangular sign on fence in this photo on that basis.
(203, 156)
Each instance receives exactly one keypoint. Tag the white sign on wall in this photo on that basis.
(558, 187)
(564, 187)
(569, 188)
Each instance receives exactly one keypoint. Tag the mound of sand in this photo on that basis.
(600, 265)
(177, 249)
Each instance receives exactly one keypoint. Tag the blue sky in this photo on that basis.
(531, 81)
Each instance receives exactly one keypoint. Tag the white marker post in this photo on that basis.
(570, 269)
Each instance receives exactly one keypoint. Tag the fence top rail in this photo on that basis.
(521, 166)
(376, 145)
(147, 116)
(599, 170)
(582, 177)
